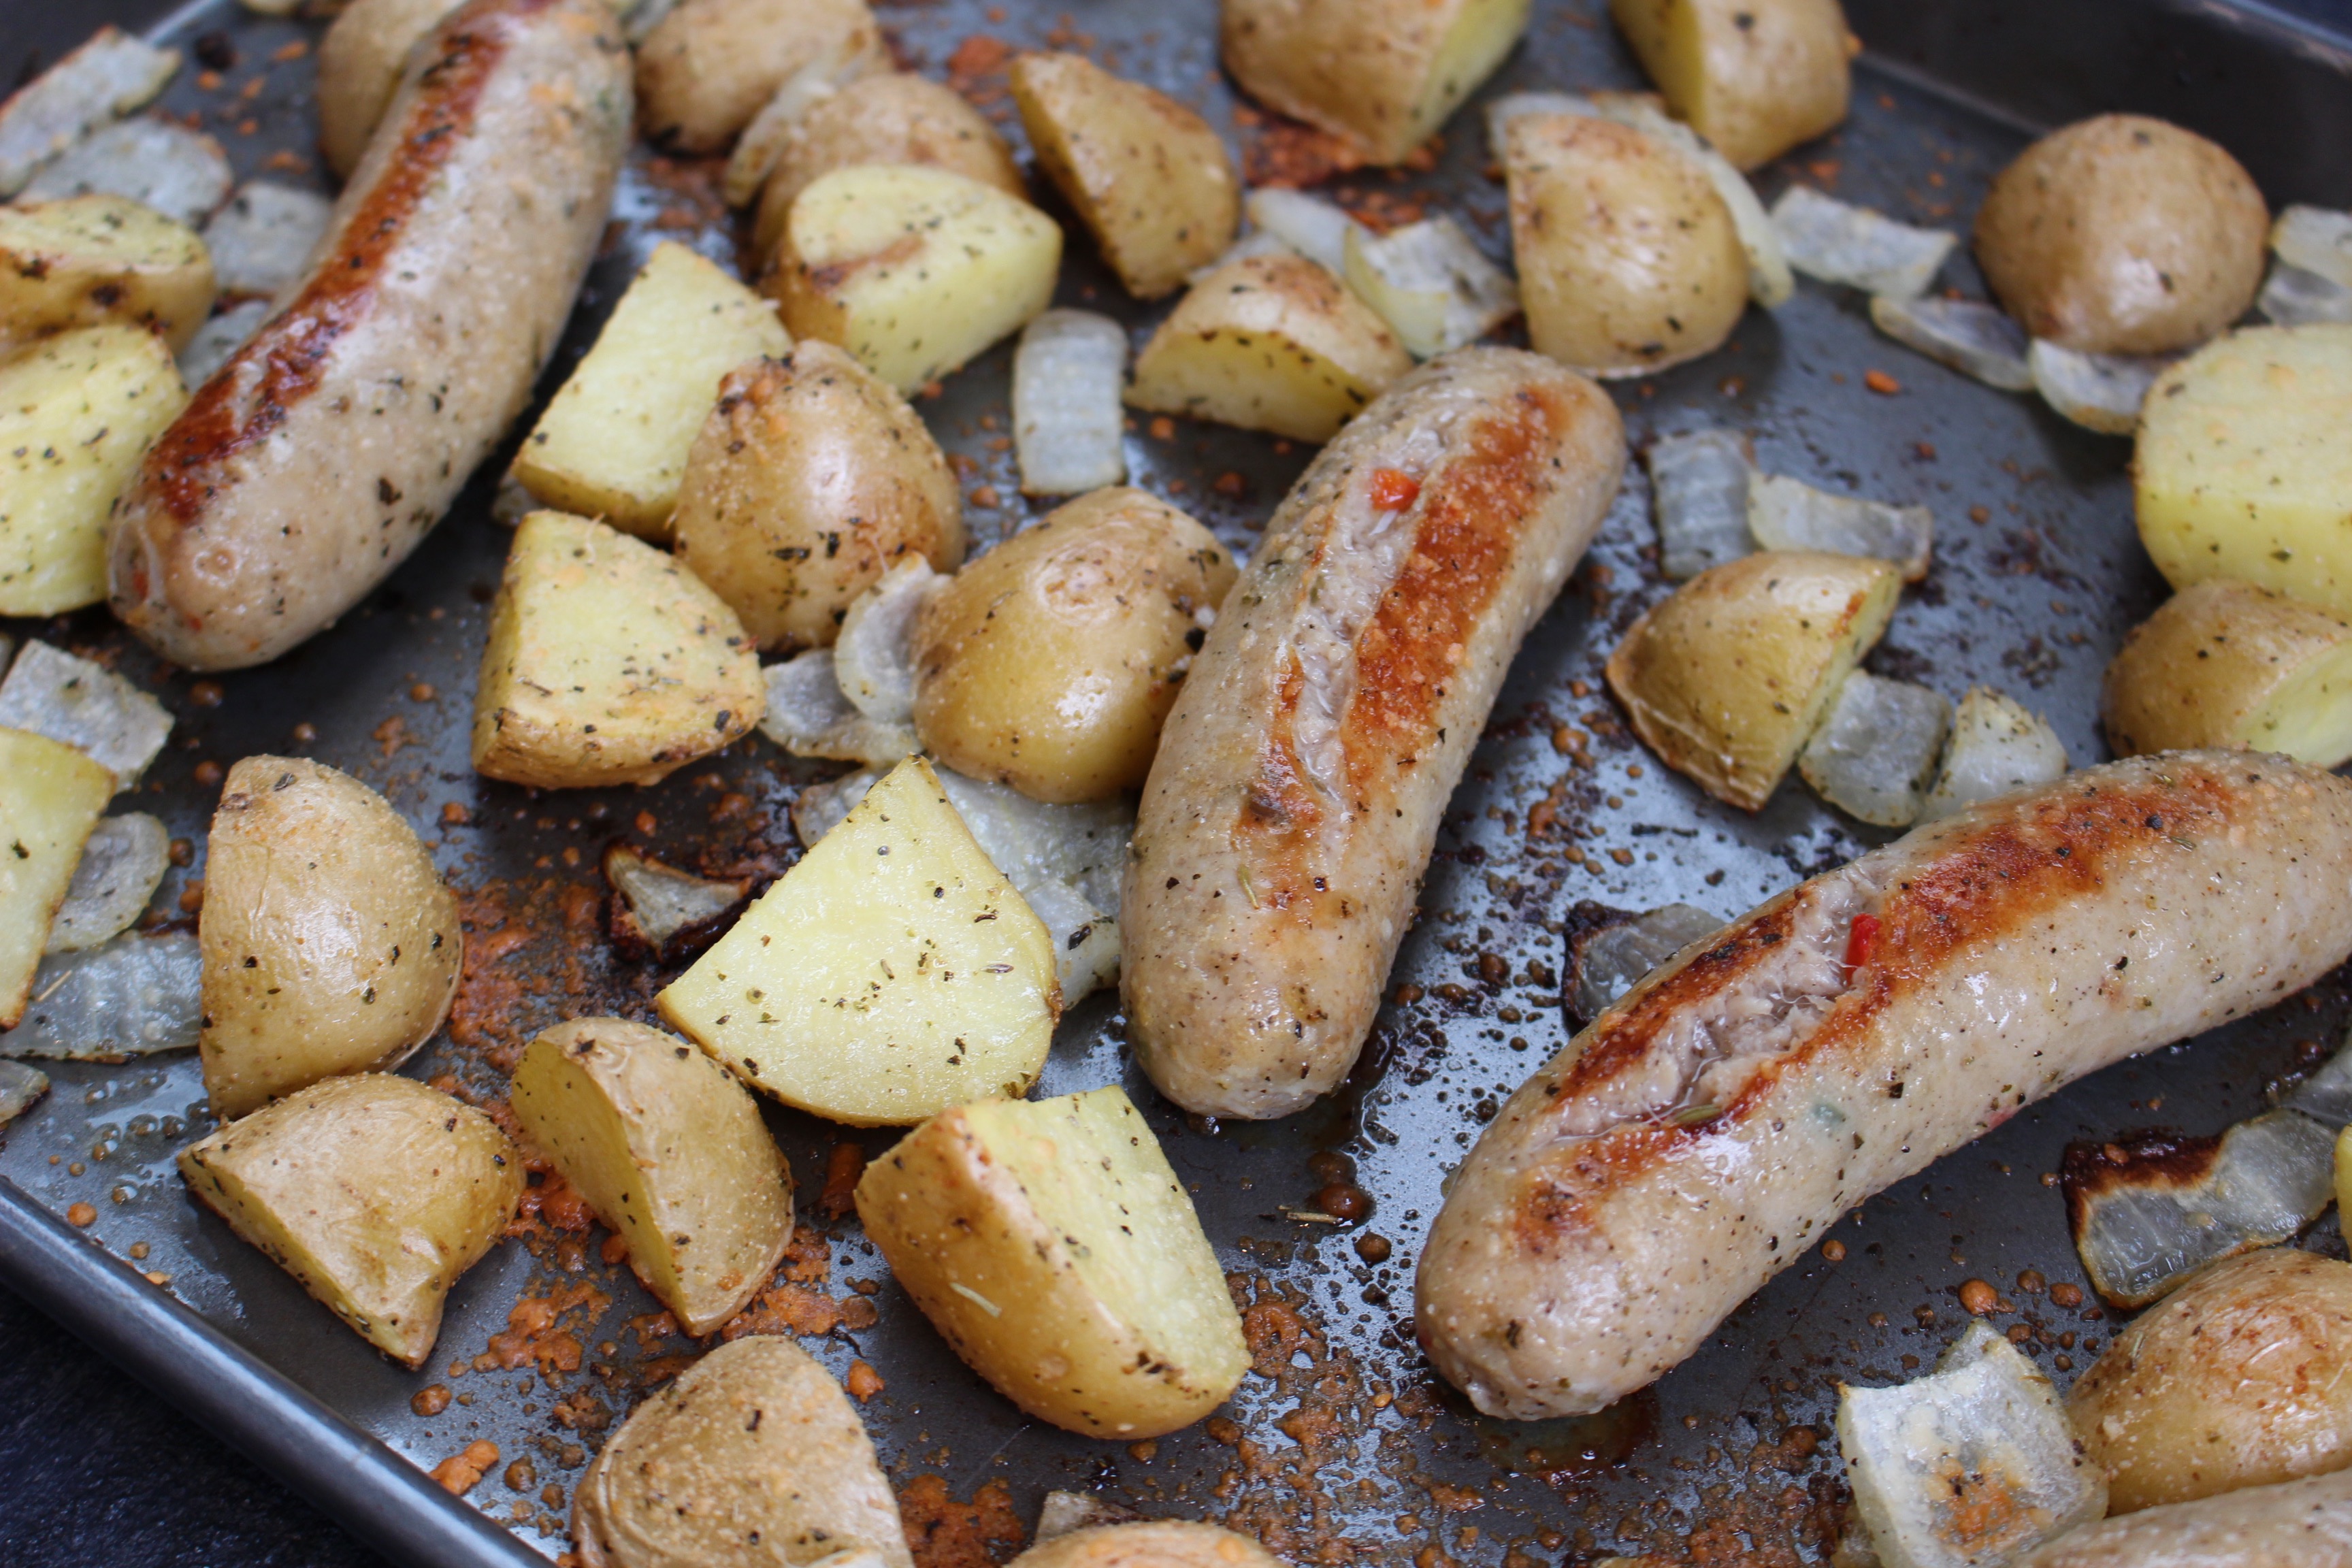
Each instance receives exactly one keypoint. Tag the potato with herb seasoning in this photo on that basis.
(1754, 77)
(51, 796)
(360, 62)
(83, 260)
(708, 67)
(2225, 664)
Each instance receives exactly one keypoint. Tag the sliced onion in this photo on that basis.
(660, 911)
(1607, 959)
(1874, 751)
(1698, 493)
(260, 240)
(218, 340)
(1840, 243)
(809, 717)
(1430, 283)
(1789, 514)
(2316, 240)
(52, 693)
(2098, 391)
(1068, 426)
(1316, 228)
(874, 659)
(127, 997)
(1769, 283)
(1066, 1512)
(1973, 1464)
(110, 75)
(1973, 338)
(763, 141)
(120, 867)
(1256, 242)
(2292, 297)
(2327, 1095)
(1998, 745)
(19, 1086)
(159, 163)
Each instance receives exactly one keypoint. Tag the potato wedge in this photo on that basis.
(810, 480)
(913, 270)
(2241, 466)
(1057, 1253)
(85, 260)
(613, 443)
(753, 1458)
(608, 662)
(892, 973)
(1754, 77)
(51, 795)
(375, 1191)
(2241, 1378)
(1629, 260)
(1268, 343)
(330, 943)
(671, 1153)
(77, 413)
(360, 62)
(711, 66)
(1049, 663)
(1385, 74)
(1151, 181)
(2227, 664)
(1148, 1544)
(1726, 679)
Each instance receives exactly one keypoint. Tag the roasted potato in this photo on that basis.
(1726, 679)
(2242, 467)
(77, 413)
(711, 66)
(1268, 343)
(2227, 664)
(360, 63)
(1145, 175)
(1055, 1249)
(913, 270)
(613, 443)
(1049, 663)
(671, 1153)
(892, 973)
(51, 795)
(2123, 235)
(810, 480)
(375, 1191)
(84, 261)
(608, 662)
(900, 118)
(2240, 1378)
(1148, 1544)
(1627, 259)
(1754, 77)
(1385, 74)
(753, 1458)
(330, 946)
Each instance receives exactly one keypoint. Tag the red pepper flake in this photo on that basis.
(1392, 490)
(1879, 382)
(1861, 943)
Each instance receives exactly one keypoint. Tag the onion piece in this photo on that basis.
(1840, 243)
(52, 693)
(1066, 1512)
(659, 911)
(809, 716)
(1609, 956)
(127, 997)
(1256, 242)
(1789, 514)
(1316, 228)
(260, 240)
(1769, 283)
(19, 1086)
(2327, 1095)
(874, 657)
(120, 867)
(1698, 493)
(2292, 297)
(218, 340)
(1969, 1467)
(107, 76)
(1068, 426)
(1971, 337)
(1998, 745)
(1874, 751)
(763, 141)
(2316, 240)
(1430, 283)
(159, 163)
(2098, 391)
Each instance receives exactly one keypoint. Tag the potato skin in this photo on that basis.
(2205, 669)
(1150, 1544)
(2124, 234)
(331, 945)
(2238, 1379)
(1049, 663)
(360, 62)
(810, 480)
(708, 67)
(1628, 260)
(1754, 77)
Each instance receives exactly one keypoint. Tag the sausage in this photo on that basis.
(1294, 798)
(2293, 1524)
(1688, 1146)
(316, 458)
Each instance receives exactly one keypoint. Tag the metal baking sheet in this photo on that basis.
(1342, 1445)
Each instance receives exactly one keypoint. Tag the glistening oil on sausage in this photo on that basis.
(1294, 798)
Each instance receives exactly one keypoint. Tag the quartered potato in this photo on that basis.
(1054, 1247)
(2227, 664)
(810, 480)
(375, 1191)
(1049, 663)
(1726, 679)
(671, 1153)
(608, 662)
(360, 62)
(51, 796)
(1146, 1544)
(753, 1458)
(331, 945)
(711, 66)
(1147, 177)
(87, 259)
(1754, 77)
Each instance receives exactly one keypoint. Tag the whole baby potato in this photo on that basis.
(810, 480)
(2123, 235)
(2240, 1378)
(711, 66)
(1754, 77)
(1049, 663)
(331, 945)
